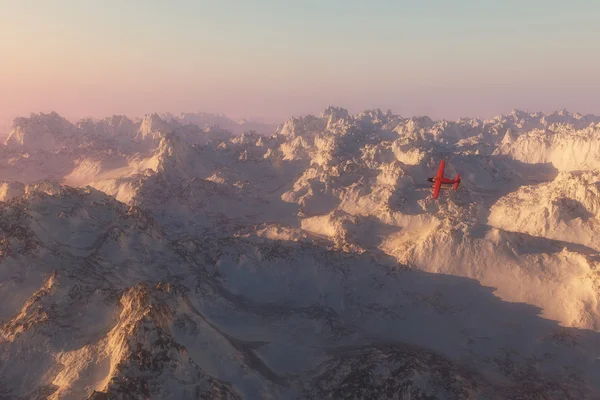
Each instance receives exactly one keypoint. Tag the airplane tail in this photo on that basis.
(457, 182)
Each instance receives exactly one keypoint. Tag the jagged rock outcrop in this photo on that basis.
(567, 208)
(41, 132)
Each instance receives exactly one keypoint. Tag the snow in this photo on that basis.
(566, 149)
(171, 258)
(565, 209)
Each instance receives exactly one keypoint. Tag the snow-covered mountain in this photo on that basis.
(207, 120)
(165, 259)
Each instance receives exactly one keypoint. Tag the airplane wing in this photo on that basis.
(440, 174)
(438, 179)
(436, 189)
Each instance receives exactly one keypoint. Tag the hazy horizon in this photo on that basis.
(270, 61)
(6, 125)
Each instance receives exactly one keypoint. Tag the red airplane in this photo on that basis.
(439, 180)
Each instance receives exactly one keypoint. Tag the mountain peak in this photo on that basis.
(40, 132)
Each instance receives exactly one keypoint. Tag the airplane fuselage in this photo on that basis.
(444, 181)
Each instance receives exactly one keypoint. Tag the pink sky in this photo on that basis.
(275, 60)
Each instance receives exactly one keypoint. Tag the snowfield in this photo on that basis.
(195, 257)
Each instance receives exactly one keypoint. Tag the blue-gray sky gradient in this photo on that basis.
(279, 58)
